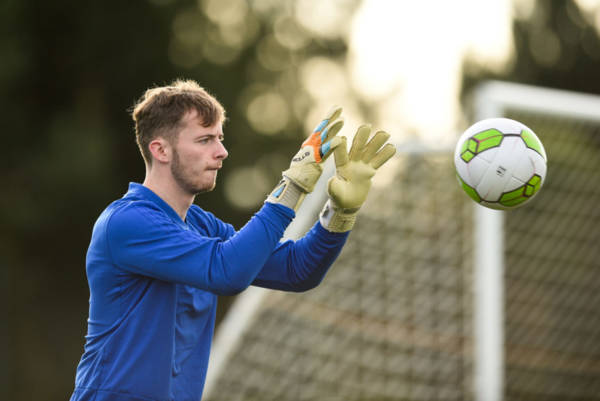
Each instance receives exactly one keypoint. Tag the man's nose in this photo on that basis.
(221, 151)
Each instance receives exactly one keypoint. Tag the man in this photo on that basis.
(156, 262)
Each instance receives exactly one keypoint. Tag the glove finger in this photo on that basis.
(331, 130)
(383, 156)
(374, 144)
(340, 154)
(322, 132)
(333, 114)
(358, 143)
(334, 189)
(328, 147)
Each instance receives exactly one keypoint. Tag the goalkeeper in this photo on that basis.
(156, 262)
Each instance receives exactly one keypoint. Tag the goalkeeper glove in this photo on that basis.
(349, 187)
(306, 166)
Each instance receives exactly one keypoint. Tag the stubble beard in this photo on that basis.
(184, 180)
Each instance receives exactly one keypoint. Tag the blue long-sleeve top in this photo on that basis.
(154, 280)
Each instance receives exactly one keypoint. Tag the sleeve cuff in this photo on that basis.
(337, 220)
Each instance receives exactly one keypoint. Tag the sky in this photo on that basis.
(407, 59)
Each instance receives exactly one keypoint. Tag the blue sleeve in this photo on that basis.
(301, 265)
(216, 227)
(143, 240)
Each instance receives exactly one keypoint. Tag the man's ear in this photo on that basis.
(161, 150)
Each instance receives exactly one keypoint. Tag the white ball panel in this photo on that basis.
(476, 168)
(492, 184)
(540, 164)
(512, 184)
(500, 171)
(461, 170)
(488, 155)
(524, 166)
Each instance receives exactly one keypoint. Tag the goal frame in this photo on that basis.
(493, 99)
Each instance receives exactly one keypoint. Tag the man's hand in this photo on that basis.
(306, 166)
(349, 188)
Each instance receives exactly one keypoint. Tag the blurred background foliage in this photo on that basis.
(69, 73)
(556, 45)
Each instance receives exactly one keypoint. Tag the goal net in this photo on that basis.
(414, 310)
(550, 280)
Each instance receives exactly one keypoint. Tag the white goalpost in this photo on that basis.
(492, 99)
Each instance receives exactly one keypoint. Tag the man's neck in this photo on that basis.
(171, 193)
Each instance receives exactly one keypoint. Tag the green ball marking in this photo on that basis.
(463, 148)
(512, 194)
(480, 142)
(472, 145)
(536, 181)
(469, 190)
(529, 190)
(533, 143)
(487, 134)
(488, 139)
(521, 194)
(467, 156)
(513, 198)
(514, 202)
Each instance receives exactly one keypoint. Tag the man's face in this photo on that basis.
(198, 154)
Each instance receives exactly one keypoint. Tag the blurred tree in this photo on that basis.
(556, 45)
(70, 72)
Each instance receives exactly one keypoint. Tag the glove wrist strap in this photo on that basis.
(287, 193)
(336, 219)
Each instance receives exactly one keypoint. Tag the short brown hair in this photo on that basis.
(160, 110)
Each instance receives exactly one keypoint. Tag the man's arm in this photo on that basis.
(142, 240)
(301, 265)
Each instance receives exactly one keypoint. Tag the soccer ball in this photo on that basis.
(500, 163)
